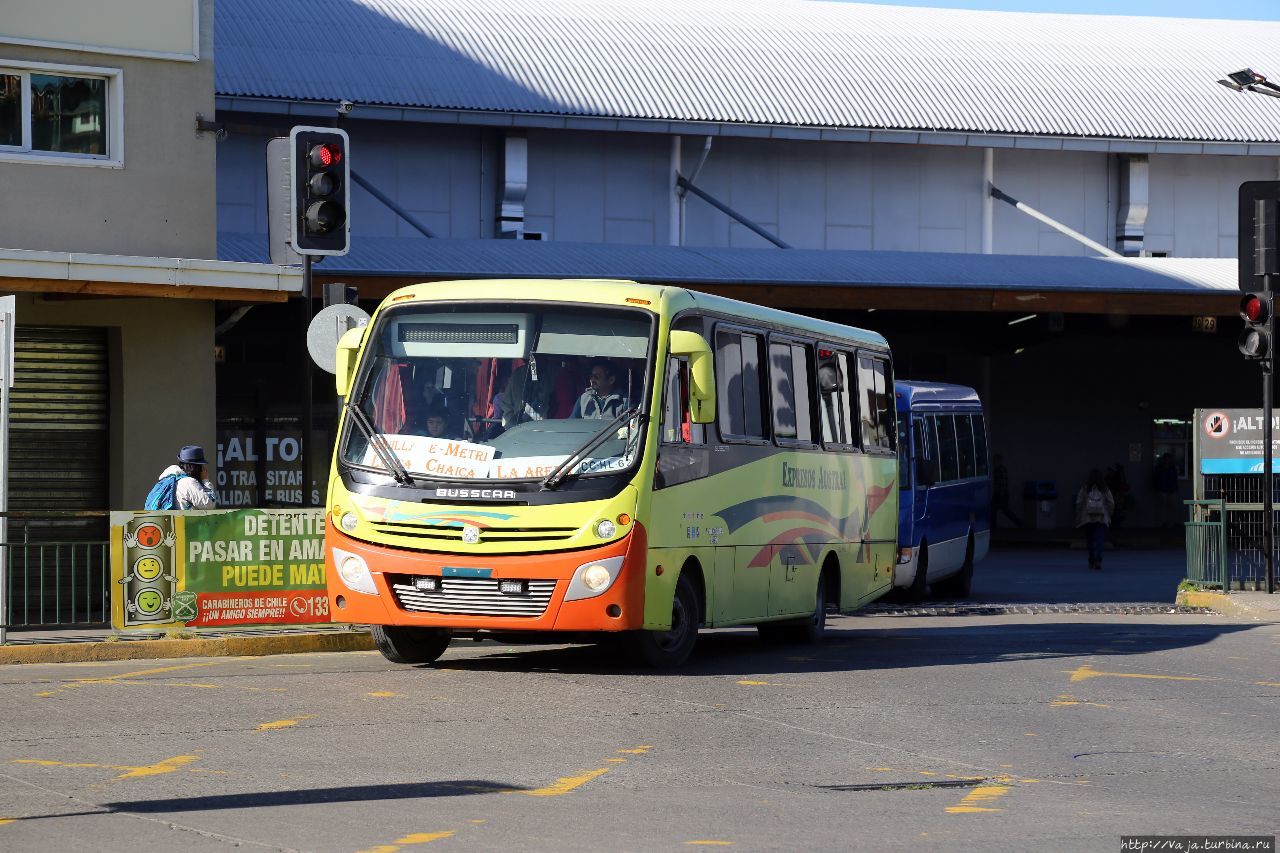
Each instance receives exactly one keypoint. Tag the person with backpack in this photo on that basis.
(185, 485)
(1094, 506)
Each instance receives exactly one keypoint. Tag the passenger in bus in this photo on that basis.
(434, 424)
(1094, 505)
(602, 399)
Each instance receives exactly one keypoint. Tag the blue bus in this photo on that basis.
(944, 488)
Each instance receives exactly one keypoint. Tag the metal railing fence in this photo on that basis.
(58, 569)
(1206, 526)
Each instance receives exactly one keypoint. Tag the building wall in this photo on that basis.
(161, 202)
(163, 388)
(597, 187)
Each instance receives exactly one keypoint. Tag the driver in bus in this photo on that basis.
(601, 399)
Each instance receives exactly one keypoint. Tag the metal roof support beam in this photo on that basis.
(681, 191)
(1054, 224)
(988, 203)
(728, 211)
(395, 208)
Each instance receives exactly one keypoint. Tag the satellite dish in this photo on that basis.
(325, 329)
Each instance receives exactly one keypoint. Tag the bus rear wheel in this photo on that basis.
(664, 649)
(410, 645)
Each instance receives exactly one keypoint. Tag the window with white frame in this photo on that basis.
(59, 113)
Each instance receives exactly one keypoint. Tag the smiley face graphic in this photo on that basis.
(149, 602)
(148, 568)
(149, 535)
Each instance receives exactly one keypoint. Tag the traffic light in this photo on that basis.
(320, 170)
(1255, 340)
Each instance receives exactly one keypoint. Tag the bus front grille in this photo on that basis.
(472, 597)
(488, 534)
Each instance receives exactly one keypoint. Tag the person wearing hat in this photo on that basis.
(194, 491)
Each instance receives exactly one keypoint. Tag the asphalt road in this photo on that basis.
(1042, 731)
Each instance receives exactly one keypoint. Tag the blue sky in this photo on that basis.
(1249, 10)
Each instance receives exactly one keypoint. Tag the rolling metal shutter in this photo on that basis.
(58, 421)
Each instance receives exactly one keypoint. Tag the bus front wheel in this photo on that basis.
(663, 649)
(410, 645)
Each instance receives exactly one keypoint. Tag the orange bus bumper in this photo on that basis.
(625, 596)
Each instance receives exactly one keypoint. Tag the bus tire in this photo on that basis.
(814, 628)
(961, 583)
(665, 649)
(410, 645)
(920, 583)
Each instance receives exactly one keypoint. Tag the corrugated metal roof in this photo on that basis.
(784, 62)
(440, 259)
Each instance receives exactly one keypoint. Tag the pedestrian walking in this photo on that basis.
(184, 485)
(1000, 492)
(1094, 506)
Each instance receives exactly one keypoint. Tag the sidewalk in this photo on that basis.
(1257, 606)
(101, 644)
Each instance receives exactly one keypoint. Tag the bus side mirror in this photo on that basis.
(348, 352)
(702, 390)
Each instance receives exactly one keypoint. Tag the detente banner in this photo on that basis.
(218, 569)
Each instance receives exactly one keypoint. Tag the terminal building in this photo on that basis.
(1041, 206)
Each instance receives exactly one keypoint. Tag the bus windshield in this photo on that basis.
(512, 393)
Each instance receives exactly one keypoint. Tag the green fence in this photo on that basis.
(1207, 543)
(58, 569)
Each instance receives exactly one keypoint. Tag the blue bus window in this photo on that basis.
(738, 356)
(980, 443)
(927, 448)
(834, 403)
(948, 460)
(964, 444)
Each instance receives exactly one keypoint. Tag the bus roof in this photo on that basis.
(934, 395)
(658, 298)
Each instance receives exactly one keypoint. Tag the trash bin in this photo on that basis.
(1040, 504)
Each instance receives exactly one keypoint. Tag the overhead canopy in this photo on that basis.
(813, 271)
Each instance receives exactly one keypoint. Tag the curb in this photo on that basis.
(1226, 605)
(285, 644)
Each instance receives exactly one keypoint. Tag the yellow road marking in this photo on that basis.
(126, 677)
(1268, 683)
(974, 801)
(382, 694)
(616, 760)
(565, 784)
(1064, 701)
(4, 820)
(711, 843)
(284, 724)
(1086, 671)
(415, 838)
(1030, 734)
(639, 750)
(752, 683)
(167, 765)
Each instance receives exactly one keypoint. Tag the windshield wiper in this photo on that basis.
(556, 477)
(379, 445)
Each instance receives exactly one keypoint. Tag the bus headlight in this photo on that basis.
(594, 578)
(354, 572)
(605, 529)
(349, 521)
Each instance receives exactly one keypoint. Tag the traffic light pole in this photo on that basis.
(306, 386)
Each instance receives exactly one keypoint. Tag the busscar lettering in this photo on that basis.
(482, 494)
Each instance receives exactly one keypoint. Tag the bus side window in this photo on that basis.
(835, 405)
(930, 449)
(964, 443)
(677, 426)
(980, 444)
(741, 410)
(948, 461)
(790, 379)
(875, 403)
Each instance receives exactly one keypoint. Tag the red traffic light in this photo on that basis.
(325, 155)
(1253, 308)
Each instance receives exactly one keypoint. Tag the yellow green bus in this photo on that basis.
(569, 458)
